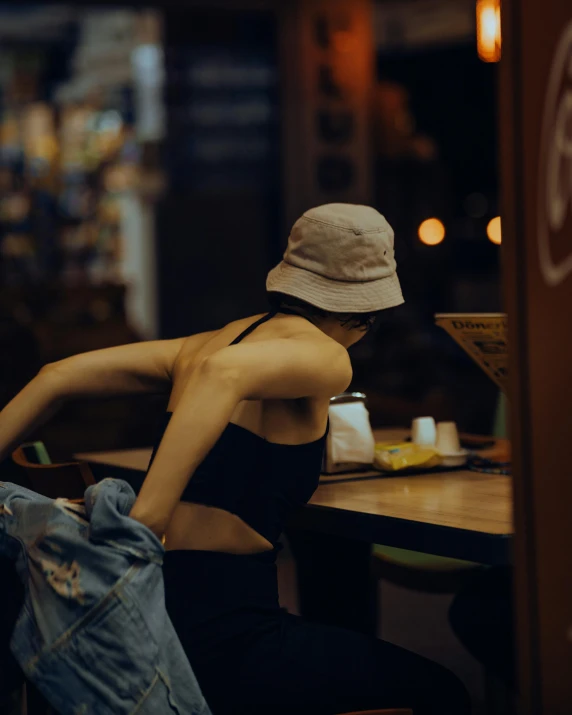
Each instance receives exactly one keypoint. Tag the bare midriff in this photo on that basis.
(206, 528)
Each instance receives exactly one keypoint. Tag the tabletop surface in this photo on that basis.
(461, 499)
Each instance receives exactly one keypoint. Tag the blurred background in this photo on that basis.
(153, 161)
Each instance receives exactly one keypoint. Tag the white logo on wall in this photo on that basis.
(555, 183)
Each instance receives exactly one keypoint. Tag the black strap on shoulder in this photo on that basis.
(263, 320)
(253, 327)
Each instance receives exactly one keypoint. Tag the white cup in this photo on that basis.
(424, 431)
(447, 441)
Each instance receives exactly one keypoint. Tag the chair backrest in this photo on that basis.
(36, 452)
(68, 480)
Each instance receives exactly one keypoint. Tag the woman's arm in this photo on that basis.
(133, 368)
(31, 407)
(273, 369)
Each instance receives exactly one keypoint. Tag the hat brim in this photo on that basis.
(332, 295)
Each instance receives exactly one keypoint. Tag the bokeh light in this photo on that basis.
(489, 30)
(494, 230)
(431, 232)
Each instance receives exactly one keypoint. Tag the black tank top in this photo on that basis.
(259, 481)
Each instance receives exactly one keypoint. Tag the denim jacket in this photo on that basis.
(93, 634)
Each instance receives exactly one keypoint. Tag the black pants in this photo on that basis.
(482, 617)
(251, 657)
(11, 600)
(335, 586)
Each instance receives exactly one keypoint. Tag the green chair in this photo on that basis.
(500, 427)
(36, 452)
(420, 572)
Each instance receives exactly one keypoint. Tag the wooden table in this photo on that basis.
(460, 514)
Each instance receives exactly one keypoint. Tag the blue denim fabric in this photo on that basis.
(93, 634)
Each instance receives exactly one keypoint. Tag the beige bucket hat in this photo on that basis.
(340, 258)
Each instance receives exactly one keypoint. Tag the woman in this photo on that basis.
(241, 447)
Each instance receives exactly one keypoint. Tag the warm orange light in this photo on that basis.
(494, 230)
(343, 41)
(489, 30)
(431, 232)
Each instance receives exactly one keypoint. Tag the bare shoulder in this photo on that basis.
(289, 360)
(302, 334)
(283, 358)
(200, 345)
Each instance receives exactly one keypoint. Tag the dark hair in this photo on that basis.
(351, 321)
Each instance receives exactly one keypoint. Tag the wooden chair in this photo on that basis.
(69, 479)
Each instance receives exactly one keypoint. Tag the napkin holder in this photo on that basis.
(329, 466)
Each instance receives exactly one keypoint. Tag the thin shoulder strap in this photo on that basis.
(253, 327)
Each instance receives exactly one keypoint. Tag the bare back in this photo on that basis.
(196, 526)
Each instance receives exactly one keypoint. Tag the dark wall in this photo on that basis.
(453, 99)
(218, 226)
(411, 367)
